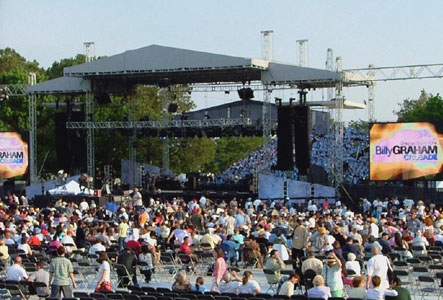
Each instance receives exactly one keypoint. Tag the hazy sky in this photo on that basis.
(383, 33)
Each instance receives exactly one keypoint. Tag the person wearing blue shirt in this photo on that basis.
(230, 247)
(239, 219)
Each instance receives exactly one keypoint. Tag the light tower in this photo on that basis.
(267, 44)
(89, 51)
(266, 109)
(89, 112)
(302, 53)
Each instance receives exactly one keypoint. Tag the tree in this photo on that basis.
(426, 108)
(56, 70)
(232, 149)
(359, 124)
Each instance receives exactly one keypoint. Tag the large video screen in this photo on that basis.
(406, 151)
(13, 155)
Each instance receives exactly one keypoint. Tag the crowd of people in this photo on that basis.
(323, 244)
(355, 157)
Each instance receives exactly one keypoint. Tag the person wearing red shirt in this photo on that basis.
(34, 240)
(135, 245)
(185, 248)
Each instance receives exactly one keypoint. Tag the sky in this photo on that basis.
(379, 32)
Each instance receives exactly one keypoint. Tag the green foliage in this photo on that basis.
(192, 155)
(56, 70)
(425, 108)
(359, 124)
(14, 69)
(230, 149)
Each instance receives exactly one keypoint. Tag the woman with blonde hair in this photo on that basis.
(181, 284)
(319, 290)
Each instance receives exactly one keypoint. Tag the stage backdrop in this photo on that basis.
(270, 187)
(13, 155)
(298, 189)
(406, 151)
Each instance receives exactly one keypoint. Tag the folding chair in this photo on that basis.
(417, 250)
(15, 291)
(206, 261)
(148, 289)
(404, 277)
(206, 247)
(394, 256)
(37, 285)
(435, 268)
(222, 298)
(97, 296)
(148, 298)
(124, 278)
(168, 265)
(134, 288)
(425, 259)
(80, 294)
(205, 297)
(401, 265)
(428, 287)
(115, 296)
(273, 285)
(187, 263)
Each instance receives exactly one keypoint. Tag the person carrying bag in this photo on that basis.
(104, 274)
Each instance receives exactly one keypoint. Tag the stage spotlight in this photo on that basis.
(246, 93)
(102, 98)
(172, 108)
(278, 101)
(164, 82)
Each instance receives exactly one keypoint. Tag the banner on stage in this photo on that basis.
(13, 155)
(406, 151)
(270, 187)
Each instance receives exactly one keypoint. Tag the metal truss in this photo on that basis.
(90, 152)
(339, 129)
(396, 73)
(160, 124)
(17, 90)
(132, 144)
(32, 129)
(163, 93)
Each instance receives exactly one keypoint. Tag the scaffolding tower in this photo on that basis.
(267, 108)
(302, 53)
(32, 131)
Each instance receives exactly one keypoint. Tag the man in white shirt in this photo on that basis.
(16, 271)
(137, 200)
(256, 203)
(84, 206)
(97, 247)
(374, 228)
(377, 265)
(68, 242)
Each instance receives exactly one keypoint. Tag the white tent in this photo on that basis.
(70, 188)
